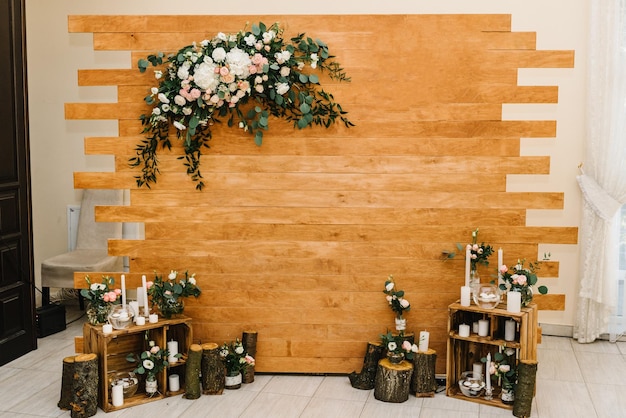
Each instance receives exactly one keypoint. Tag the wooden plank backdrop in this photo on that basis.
(295, 238)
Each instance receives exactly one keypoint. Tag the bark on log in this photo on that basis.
(249, 339)
(67, 379)
(423, 383)
(84, 399)
(393, 381)
(525, 389)
(366, 378)
(213, 370)
(192, 372)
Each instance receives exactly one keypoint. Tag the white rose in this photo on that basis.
(158, 74)
(389, 299)
(414, 348)
(282, 88)
(239, 349)
(148, 364)
(163, 98)
(204, 43)
(192, 281)
(259, 88)
(94, 286)
(154, 90)
(172, 275)
(284, 71)
(250, 40)
(389, 286)
(392, 346)
(219, 54)
(187, 111)
(404, 303)
(221, 36)
(183, 71)
(156, 111)
(180, 100)
(179, 126)
(165, 107)
(268, 36)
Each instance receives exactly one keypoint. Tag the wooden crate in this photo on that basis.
(113, 348)
(463, 352)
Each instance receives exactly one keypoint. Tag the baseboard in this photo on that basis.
(557, 330)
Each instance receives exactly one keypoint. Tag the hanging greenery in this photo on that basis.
(243, 78)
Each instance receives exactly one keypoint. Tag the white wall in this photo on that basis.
(54, 56)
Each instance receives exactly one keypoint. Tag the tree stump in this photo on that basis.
(366, 378)
(213, 370)
(525, 389)
(248, 340)
(423, 383)
(393, 381)
(192, 372)
(84, 396)
(67, 378)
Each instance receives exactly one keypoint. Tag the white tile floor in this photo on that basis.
(573, 380)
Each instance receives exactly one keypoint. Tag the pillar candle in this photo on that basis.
(107, 328)
(475, 327)
(514, 302)
(140, 320)
(123, 291)
(423, 341)
(468, 257)
(499, 264)
(509, 330)
(153, 318)
(172, 348)
(117, 395)
(133, 306)
(146, 309)
(174, 383)
(464, 330)
(478, 370)
(140, 296)
(483, 327)
(487, 373)
(465, 296)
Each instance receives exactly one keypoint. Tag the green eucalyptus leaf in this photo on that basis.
(258, 138)
(314, 79)
(303, 78)
(543, 290)
(305, 108)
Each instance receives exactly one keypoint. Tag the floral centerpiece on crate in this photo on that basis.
(101, 297)
(245, 78)
(167, 295)
(521, 279)
(397, 302)
(398, 347)
(477, 254)
(504, 367)
(236, 360)
(150, 363)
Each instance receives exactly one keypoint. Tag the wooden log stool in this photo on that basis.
(366, 378)
(192, 373)
(79, 385)
(213, 370)
(248, 340)
(423, 383)
(525, 389)
(393, 381)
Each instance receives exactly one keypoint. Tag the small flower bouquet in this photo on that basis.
(479, 253)
(235, 358)
(395, 298)
(166, 295)
(150, 363)
(398, 347)
(504, 367)
(521, 279)
(101, 297)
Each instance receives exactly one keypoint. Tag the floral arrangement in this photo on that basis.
(395, 298)
(245, 77)
(397, 344)
(479, 253)
(101, 297)
(521, 279)
(504, 367)
(235, 358)
(166, 295)
(151, 361)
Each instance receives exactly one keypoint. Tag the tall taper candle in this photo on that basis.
(488, 372)
(499, 264)
(123, 292)
(468, 257)
(146, 309)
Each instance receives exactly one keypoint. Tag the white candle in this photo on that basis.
(123, 291)
(475, 327)
(424, 337)
(153, 318)
(464, 330)
(465, 296)
(140, 296)
(107, 328)
(117, 395)
(499, 264)
(146, 309)
(468, 257)
(514, 302)
(140, 320)
(174, 383)
(134, 307)
(478, 370)
(483, 327)
(172, 348)
(509, 330)
(488, 372)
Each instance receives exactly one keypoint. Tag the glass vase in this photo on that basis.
(527, 295)
(400, 324)
(98, 313)
(232, 380)
(171, 307)
(474, 282)
(507, 396)
(395, 358)
(151, 384)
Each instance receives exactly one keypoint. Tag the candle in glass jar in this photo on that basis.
(509, 330)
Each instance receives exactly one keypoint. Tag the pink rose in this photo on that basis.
(224, 71)
(154, 349)
(521, 279)
(195, 93)
(112, 296)
(406, 346)
(249, 359)
(168, 292)
(105, 297)
(149, 285)
(118, 291)
(252, 69)
(503, 268)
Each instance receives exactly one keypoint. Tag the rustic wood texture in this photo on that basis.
(193, 388)
(295, 238)
(366, 378)
(84, 388)
(423, 382)
(213, 370)
(393, 381)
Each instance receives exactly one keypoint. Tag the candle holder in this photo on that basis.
(489, 393)
(121, 317)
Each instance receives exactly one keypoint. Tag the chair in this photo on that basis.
(91, 252)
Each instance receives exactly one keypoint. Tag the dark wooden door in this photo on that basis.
(17, 312)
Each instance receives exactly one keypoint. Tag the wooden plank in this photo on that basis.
(550, 302)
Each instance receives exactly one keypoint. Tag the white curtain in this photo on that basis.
(603, 181)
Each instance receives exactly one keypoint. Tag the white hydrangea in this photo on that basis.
(183, 71)
(218, 54)
(238, 62)
(205, 77)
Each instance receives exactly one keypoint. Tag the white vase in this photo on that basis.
(400, 324)
(232, 382)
